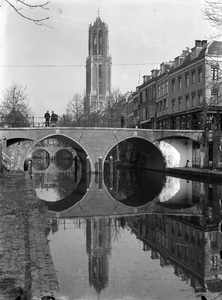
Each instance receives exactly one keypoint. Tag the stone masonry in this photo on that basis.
(26, 266)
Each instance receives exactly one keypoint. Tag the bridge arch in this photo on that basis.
(180, 151)
(154, 158)
(81, 151)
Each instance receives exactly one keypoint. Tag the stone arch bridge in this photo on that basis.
(95, 144)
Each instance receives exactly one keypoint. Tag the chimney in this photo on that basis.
(204, 43)
(198, 43)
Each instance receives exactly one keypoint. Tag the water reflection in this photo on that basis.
(55, 179)
(136, 235)
(121, 253)
(134, 187)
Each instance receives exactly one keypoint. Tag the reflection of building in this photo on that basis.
(98, 67)
(191, 245)
(98, 247)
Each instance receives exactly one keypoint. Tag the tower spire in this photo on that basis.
(98, 12)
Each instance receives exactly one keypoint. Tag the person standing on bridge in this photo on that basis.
(54, 119)
(47, 118)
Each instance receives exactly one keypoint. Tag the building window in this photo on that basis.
(187, 79)
(144, 114)
(193, 99)
(179, 83)
(214, 96)
(164, 104)
(173, 105)
(158, 91)
(166, 85)
(173, 85)
(200, 96)
(193, 77)
(214, 72)
(144, 96)
(187, 101)
(200, 74)
(180, 103)
(162, 89)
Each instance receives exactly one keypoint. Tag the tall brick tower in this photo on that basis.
(98, 67)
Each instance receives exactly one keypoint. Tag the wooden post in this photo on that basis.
(76, 169)
(87, 165)
(100, 164)
(111, 164)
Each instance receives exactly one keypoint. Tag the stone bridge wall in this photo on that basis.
(95, 143)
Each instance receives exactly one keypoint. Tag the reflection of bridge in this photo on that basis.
(52, 150)
(52, 168)
(90, 200)
(95, 143)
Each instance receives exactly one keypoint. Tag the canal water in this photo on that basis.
(131, 234)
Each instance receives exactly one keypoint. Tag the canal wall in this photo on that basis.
(26, 266)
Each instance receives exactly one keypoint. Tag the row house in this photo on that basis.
(194, 89)
(147, 100)
(184, 93)
(162, 83)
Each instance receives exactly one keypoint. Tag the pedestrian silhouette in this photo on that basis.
(54, 119)
(47, 118)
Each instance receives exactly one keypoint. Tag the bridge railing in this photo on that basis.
(14, 121)
(6, 161)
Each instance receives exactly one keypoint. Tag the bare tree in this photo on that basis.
(75, 108)
(213, 12)
(15, 109)
(21, 4)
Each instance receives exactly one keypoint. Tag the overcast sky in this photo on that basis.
(50, 60)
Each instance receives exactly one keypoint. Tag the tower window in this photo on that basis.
(100, 79)
(100, 42)
(94, 45)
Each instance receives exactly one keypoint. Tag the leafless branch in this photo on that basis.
(31, 6)
(213, 12)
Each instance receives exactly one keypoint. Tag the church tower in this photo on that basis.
(98, 67)
(98, 248)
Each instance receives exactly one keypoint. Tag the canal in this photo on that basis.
(131, 234)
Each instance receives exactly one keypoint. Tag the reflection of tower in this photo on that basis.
(98, 247)
(98, 67)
